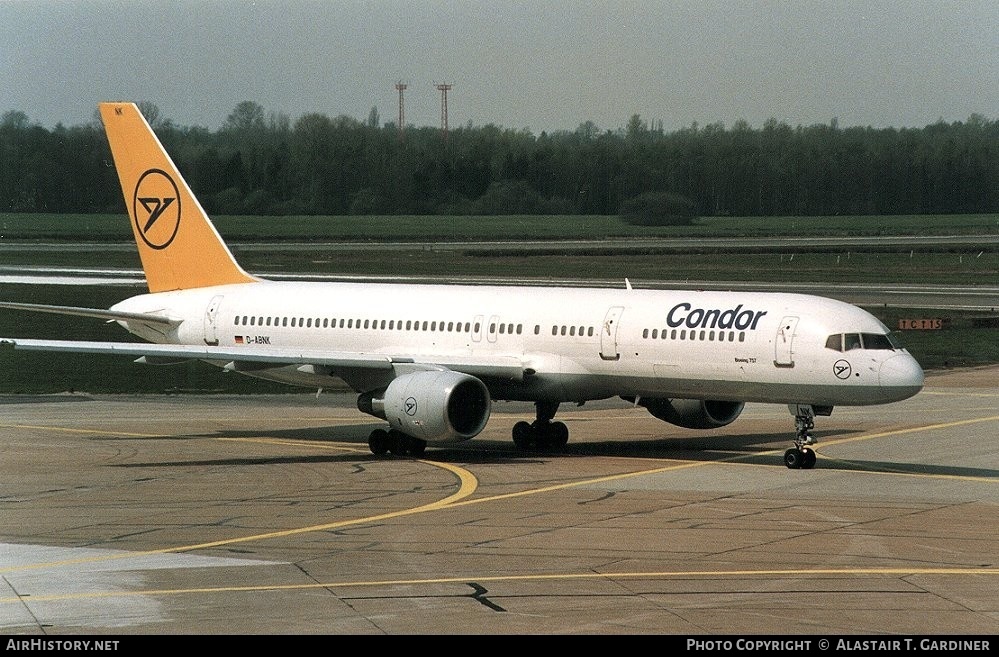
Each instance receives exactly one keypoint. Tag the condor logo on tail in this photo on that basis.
(159, 199)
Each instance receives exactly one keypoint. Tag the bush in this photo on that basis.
(658, 209)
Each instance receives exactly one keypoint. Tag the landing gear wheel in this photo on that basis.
(795, 458)
(417, 447)
(378, 442)
(396, 443)
(558, 434)
(401, 444)
(542, 433)
(523, 435)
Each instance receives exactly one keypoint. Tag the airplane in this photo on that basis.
(429, 359)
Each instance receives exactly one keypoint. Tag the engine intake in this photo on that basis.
(435, 405)
(694, 413)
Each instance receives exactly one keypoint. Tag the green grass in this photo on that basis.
(942, 267)
(115, 227)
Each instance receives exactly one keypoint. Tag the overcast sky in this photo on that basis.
(534, 64)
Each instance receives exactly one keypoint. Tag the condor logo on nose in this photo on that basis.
(683, 314)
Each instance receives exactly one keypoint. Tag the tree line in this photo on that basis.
(260, 163)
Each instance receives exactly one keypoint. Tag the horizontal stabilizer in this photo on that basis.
(99, 313)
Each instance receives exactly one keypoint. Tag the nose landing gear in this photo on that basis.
(802, 455)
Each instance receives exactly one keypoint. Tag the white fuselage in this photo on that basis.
(576, 344)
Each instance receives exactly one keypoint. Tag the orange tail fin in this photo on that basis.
(178, 245)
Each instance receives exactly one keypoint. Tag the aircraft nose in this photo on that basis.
(900, 377)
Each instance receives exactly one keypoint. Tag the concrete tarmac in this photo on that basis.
(124, 515)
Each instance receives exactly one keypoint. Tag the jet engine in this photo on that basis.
(433, 405)
(694, 413)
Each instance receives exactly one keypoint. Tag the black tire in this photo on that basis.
(807, 459)
(378, 442)
(417, 447)
(792, 458)
(523, 435)
(397, 442)
(558, 434)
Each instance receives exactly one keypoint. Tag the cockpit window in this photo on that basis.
(850, 341)
(877, 341)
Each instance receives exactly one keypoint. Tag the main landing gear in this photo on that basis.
(542, 433)
(381, 441)
(802, 455)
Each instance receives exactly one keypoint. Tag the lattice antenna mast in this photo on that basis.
(444, 88)
(401, 87)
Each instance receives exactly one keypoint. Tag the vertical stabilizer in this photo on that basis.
(178, 245)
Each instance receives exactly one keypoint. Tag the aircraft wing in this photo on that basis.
(494, 366)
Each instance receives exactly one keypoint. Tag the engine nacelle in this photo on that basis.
(435, 405)
(694, 413)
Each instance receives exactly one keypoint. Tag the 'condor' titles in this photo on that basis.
(683, 314)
